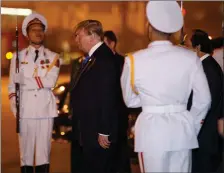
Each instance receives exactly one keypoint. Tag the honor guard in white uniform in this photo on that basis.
(159, 79)
(38, 73)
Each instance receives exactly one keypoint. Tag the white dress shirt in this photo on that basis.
(93, 49)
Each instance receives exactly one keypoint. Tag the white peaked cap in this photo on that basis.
(28, 19)
(165, 16)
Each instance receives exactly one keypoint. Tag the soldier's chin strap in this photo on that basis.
(40, 43)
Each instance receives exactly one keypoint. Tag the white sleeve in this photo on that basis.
(201, 96)
(11, 85)
(131, 99)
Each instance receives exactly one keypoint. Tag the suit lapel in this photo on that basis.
(83, 70)
(79, 71)
(75, 73)
(88, 65)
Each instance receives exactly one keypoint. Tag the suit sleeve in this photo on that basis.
(131, 99)
(202, 97)
(215, 80)
(108, 80)
(72, 66)
(73, 70)
(48, 80)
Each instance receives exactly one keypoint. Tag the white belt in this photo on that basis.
(164, 109)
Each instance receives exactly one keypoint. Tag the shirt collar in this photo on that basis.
(93, 49)
(159, 43)
(32, 49)
(205, 56)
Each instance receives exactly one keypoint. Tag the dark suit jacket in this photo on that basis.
(209, 139)
(94, 97)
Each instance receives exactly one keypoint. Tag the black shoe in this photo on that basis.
(27, 169)
(42, 168)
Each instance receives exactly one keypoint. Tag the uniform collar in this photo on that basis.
(160, 43)
(32, 49)
(204, 56)
(93, 49)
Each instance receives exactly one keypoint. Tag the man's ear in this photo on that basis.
(198, 48)
(94, 37)
(27, 37)
(112, 45)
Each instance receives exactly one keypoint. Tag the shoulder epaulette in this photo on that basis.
(185, 47)
(56, 62)
(130, 53)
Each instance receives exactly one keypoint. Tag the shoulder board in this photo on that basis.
(21, 51)
(130, 53)
(49, 52)
(185, 47)
(56, 62)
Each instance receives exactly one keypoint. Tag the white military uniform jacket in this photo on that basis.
(36, 97)
(164, 76)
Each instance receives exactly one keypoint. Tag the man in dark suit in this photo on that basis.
(122, 159)
(94, 98)
(207, 157)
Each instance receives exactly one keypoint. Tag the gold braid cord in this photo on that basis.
(132, 73)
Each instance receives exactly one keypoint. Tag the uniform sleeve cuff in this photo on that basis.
(12, 95)
(103, 134)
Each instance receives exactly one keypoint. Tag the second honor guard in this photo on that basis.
(159, 79)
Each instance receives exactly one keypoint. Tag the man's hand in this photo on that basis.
(103, 141)
(220, 126)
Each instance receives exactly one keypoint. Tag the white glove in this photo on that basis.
(13, 105)
(19, 78)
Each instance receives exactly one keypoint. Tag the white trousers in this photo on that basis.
(171, 161)
(35, 138)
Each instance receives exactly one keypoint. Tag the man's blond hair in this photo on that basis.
(91, 27)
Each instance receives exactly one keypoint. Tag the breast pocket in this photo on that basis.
(28, 70)
(42, 72)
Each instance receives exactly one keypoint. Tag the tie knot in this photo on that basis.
(36, 51)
